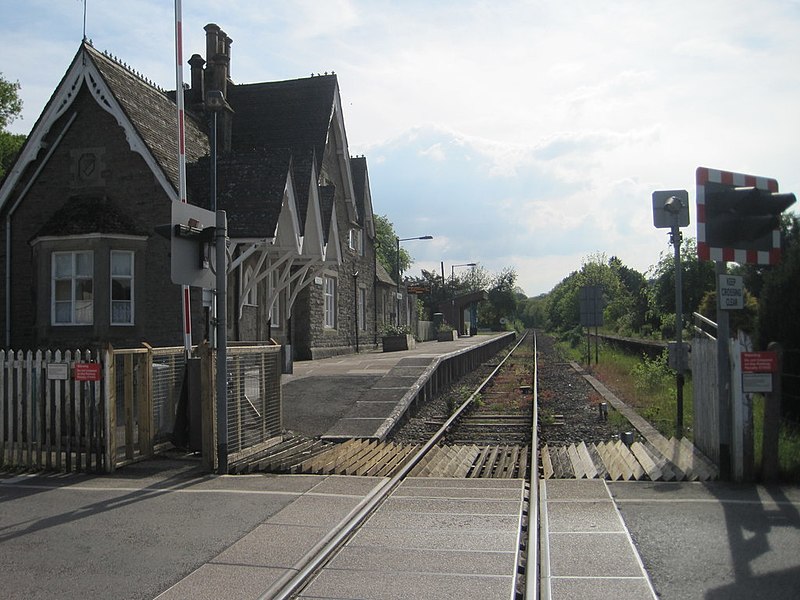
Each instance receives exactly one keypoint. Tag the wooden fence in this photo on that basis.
(705, 398)
(49, 420)
(53, 418)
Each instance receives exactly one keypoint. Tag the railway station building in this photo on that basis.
(80, 258)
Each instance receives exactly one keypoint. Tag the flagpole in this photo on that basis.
(187, 313)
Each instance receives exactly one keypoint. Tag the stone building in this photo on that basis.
(82, 263)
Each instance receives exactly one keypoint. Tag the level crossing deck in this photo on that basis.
(586, 550)
(433, 538)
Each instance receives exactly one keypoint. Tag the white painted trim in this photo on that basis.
(82, 71)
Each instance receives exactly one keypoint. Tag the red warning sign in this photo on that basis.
(87, 372)
(759, 362)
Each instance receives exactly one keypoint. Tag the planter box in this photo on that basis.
(447, 336)
(393, 343)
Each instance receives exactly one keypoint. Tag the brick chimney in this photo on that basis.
(218, 59)
(216, 78)
(197, 95)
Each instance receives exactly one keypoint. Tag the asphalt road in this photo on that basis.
(715, 541)
(128, 536)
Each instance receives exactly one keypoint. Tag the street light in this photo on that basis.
(397, 264)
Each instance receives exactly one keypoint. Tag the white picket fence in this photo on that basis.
(48, 419)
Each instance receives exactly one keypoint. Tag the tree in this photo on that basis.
(628, 311)
(386, 242)
(502, 301)
(697, 278)
(777, 315)
(10, 107)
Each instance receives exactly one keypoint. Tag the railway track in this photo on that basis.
(432, 458)
(492, 426)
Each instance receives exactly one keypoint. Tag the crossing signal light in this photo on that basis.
(743, 217)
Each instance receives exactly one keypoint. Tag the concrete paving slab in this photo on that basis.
(454, 539)
(583, 517)
(460, 506)
(587, 550)
(418, 361)
(368, 409)
(450, 492)
(592, 555)
(347, 428)
(438, 560)
(447, 522)
(577, 489)
(272, 545)
(600, 589)
(392, 381)
(455, 483)
(318, 511)
(358, 585)
(212, 582)
(345, 485)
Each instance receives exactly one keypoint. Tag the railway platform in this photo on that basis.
(365, 395)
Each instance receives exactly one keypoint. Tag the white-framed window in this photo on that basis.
(356, 242)
(251, 295)
(121, 287)
(72, 288)
(275, 311)
(362, 309)
(329, 293)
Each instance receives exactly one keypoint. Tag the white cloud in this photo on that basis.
(522, 133)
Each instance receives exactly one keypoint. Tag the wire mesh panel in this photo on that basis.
(254, 397)
(147, 389)
(168, 369)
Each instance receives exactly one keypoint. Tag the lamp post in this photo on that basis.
(397, 264)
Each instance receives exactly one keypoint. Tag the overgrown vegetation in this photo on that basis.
(649, 386)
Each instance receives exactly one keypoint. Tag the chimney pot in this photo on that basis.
(196, 63)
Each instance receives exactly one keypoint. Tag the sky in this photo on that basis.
(524, 134)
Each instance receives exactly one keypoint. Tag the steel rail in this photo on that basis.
(323, 551)
(532, 562)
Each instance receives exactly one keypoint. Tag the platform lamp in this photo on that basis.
(397, 264)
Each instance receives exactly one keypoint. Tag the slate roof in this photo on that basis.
(153, 113)
(82, 215)
(250, 188)
(358, 166)
(283, 114)
(293, 114)
(302, 159)
(383, 275)
(326, 201)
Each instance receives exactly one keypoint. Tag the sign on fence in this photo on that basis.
(87, 371)
(757, 370)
